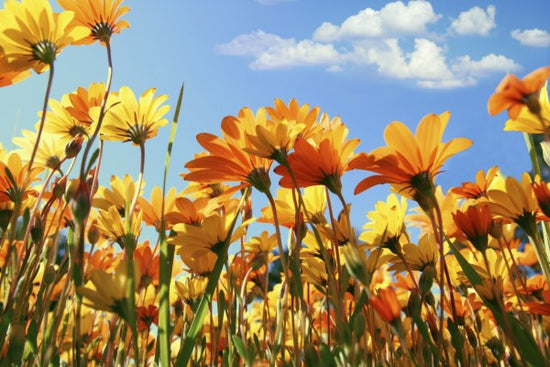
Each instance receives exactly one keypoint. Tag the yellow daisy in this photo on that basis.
(31, 35)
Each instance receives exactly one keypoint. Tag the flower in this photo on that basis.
(10, 77)
(386, 304)
(274, 140)
(15, 180)
(319, 163)
(418, 257)
(475, 222)
(516, 202)
(542, 193)
(147, 316)
(386, 227)
(120, 196)
(410, 163)
(477, 189)
(112, 226)
(79, 102)
(133, 120)
(108, 291)
(294, 112)
(226, 161)
(31, 35)
(152, 209)
(529, 122)
(99, 16)
(48, 154)
(513, 94)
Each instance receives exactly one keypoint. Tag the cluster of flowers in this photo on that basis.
(79, 286)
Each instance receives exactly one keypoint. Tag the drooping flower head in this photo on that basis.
(134, 120)
(31, 34)
(513, 94)
(100, 17)
(410, 162)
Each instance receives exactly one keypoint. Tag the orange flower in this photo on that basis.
(475, 190)
(512, 94)
(301, 114)
(227, 162)
(410, 163)
(542, 192)
(319, 164)
(100, 16)
(15, 180)
(386, 304)
(148, 265)
(475, 222)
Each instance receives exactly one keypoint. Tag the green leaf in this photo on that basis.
(239, 345)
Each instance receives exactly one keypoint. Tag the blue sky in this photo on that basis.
(371, 62)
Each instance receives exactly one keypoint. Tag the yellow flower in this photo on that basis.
(420, 256)
(386, 227)
(294, 112)
(15, 181)
(191, 289)
(274, 140)
(60, 122)
(152, 210)
(112, 226)
(31, 35)
(208, 237)
(108, 291)
(122, 193)
(516, 202)
(529, 122)
(133, 120)
(410, 162)
(100, 17)
(49, 153)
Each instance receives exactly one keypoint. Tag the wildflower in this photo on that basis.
(540, 308)
(14, 182)
(108, 291)
(191, 212)
(418, 257)
(321, 163)
(101, 17)
(542, 192)
(274, 140)
(148, 265)
(386, 227)
(533, 123)
(386, 304)
(32, 35)
(226, 161)
(80, 102)
(120, 196)
(315, 204)
(133, 120)
(475, 222)
(479, 188)
(513, 94)
(410, 163)
(152, 209)
(516, 202)
(113, 227)
(191, 289)
(49, 153)
(294, 112)
(147, 316)
(10, 77)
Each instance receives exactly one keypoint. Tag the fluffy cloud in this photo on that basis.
(393, 19)
(532, 37)
(475, 21)
(380, 39)
(426, 61)
(273, 52)
(485, 66)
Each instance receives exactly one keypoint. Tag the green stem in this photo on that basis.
(196, 325)
(166, 256)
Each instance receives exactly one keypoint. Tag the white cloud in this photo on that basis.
(475, 21)
(532, 37)
(273, 52)
(393, 19)
(425, 62)
(485, 66)
(249, 44)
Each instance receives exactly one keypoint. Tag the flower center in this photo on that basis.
(102, 31)
(44, 51)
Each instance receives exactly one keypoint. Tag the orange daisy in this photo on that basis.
(477, 189)
(100, 16)
(410, 162)
(227, 162)
(323, 163)
(513, 94)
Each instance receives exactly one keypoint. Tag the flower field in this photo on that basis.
(254, 259)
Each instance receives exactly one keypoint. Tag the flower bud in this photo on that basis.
(73, 146)
(80, 202)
